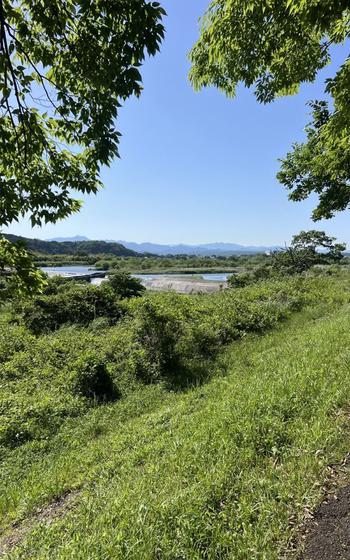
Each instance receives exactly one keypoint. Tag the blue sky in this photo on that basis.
(197, 167)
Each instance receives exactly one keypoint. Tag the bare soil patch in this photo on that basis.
(329, 538)
(48, 514)
(327, 533)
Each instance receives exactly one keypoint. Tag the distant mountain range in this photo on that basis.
(205, 249)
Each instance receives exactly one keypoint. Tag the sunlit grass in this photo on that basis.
(216, 472)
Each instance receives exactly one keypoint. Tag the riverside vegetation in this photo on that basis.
(154, 264)
(138, 425)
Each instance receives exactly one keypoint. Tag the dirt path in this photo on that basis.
(329, 538)
(327, 535)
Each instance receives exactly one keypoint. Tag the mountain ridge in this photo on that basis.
(69, 239)
(72, 247)
(201, 249)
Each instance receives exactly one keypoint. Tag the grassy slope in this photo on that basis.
(216, 472)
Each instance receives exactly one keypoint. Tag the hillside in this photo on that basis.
(73, 247)
(225, 466)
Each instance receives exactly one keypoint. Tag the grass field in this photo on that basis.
(222, 470)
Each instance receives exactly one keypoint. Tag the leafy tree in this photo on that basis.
(65, 68)
(124, 285)
(307, 249)
(292, 261)
(313, 240)
(18, 275)
(275, 46)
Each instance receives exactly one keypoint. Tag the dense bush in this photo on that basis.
(308, 250)
(91, 378)
(243, 279)
(75, 304)
(279, 269)
(13, 339)
(124, 285)
(61, 375)
(178, 330)
(66, 302)
(161, 337)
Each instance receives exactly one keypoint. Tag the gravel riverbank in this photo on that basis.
(183, 285)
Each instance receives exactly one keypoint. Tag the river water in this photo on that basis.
(71, 271)
(66, 271)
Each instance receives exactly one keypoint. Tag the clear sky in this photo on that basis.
(197, 167)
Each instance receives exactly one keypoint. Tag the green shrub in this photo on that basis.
(71, 304)
(25, 417)
(61, 375)
(157, 326)
(56, 284)
(123, 285)
(130, 361)
(90, 378)
(13, 339)
(101, 323)
(66, 302)
(177, 330)
(103, 264)
(243, 279)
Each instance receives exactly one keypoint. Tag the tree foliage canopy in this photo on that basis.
(308, 248)
(274, 46)
(65, 68)
(18, 276)
(315, 239)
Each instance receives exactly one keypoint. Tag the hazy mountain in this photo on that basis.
(205, 249)
(75, 238)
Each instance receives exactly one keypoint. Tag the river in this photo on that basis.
(71, 271)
